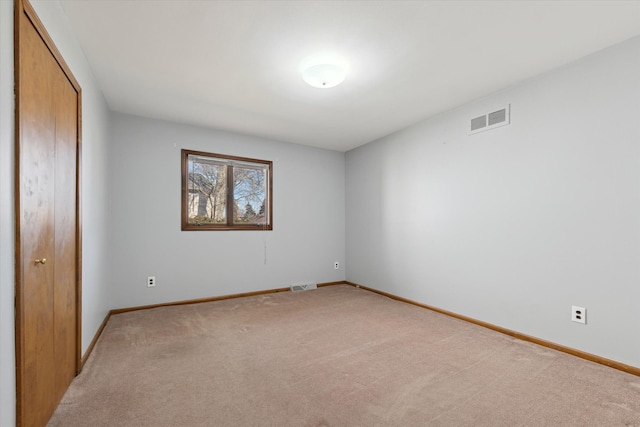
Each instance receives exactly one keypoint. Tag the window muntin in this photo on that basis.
(221, 192)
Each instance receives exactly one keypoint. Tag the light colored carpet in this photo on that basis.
(336, 356)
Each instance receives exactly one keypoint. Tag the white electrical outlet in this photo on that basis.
(151, 281)
(336, 265)
(578, 314)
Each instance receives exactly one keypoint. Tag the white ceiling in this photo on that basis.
(233, 65)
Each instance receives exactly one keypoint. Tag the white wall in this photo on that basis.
(7, 225)
(513, 226)
(308, 208)
(95, 206)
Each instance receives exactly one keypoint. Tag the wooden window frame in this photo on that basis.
(229, 225)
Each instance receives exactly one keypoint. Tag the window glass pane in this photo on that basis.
(249, 195)
(222, 192)
(207, 186)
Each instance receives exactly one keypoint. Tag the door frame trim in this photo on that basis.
(24, 14)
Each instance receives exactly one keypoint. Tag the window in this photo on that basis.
(225, 192)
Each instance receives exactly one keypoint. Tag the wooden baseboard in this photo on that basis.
(341, 282)
(572, 351)
(218, 298)
(94, 341)
(578, 353)
(197, 301)
(191, 301)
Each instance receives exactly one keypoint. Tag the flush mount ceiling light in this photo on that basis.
(323, 70)
(324, 75)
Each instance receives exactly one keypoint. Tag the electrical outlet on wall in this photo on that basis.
(336, 265)
(579, 314)
(151, 282)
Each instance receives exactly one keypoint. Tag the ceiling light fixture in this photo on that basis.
(323, 70)
(324, 75)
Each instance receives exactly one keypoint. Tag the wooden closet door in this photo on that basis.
(64, 193)
(47, 244)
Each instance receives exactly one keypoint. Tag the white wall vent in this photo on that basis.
(305, 287)
(490, 120)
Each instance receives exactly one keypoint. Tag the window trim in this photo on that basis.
(229, 202)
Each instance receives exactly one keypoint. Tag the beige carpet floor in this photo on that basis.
(336, 356)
